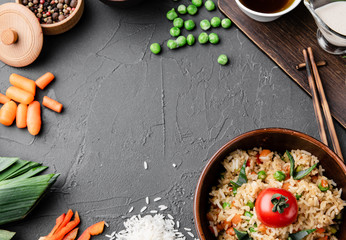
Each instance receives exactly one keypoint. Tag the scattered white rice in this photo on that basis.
(178, 224)
(187, 229)
(170, 216)
(144, 208)
(162, 207)
(157, 199)
(131, 209)
(147, 200)
(174, 165)
(145, 165)
(149, 228)
(153, 211)
(191, 235)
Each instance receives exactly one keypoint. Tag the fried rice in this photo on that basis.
(316, 209)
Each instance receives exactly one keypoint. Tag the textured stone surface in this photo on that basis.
(124, 105)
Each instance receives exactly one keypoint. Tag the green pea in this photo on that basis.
(155, 48)
(205, 24)
(215, 22)
(171, 44)
(248, 214)
(262, 175)
(171, 15)
(178, 22)
(190, 41)
(214, 38)
(209, 5)
(279, 176)
(181, 40)
(250, 204)
(197, 3)
(192, 9)
(222, 59)
(203, 38)
(182, 9)
(189, 25)
(299, 168)
(298, 196)
(175, 32)
(323, 189)
(226, 23)
(252, 229)
(225, 204)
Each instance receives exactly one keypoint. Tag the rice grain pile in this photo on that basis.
(316, 209)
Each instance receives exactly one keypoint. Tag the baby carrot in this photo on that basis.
(51, 104)
(19, 95)
(22, 111)
(44, 80)
(8, 113)
(33, 120)
(23, 83)
(93, 230)
(4, 99)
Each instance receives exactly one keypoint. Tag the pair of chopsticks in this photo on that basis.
(317, 95)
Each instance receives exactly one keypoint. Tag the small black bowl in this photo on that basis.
(276, 139)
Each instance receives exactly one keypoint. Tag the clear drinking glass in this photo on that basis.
(329, 40)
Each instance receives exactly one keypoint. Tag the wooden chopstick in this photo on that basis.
(315, 100)
(325, 106)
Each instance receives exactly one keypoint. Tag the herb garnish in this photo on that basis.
(294, 173)
(300, 235)
(242, 235)
(241, 179)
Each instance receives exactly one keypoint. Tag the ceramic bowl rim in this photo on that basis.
(219, 152)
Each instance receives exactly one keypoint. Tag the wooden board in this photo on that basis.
(283, 41)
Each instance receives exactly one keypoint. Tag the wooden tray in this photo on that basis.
(283, 41)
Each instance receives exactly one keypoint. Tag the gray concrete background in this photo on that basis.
(124, 105)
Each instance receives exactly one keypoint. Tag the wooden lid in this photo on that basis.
(21, 37)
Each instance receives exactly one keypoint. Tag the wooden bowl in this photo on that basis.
(121, 3)
(275, 139)
(64, 25)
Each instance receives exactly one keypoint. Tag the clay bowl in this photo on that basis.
(122, 3)
(64, 25)
(276, 139)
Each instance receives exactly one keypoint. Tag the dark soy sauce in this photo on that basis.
(267, 6)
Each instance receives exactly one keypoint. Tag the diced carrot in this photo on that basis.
(258, 160)
(226, 224)
(219, 226)
(286, 186)
(93, 230)
(33, 119)
(71, 235)
(8, 113)
(230, 231)
(262, 228)
(232, 204)
(58, 222)
(22, 111)
(59, 234)
(264, 153)
(44, 80)
(23, 83)
(4, 99)
(19, 95)
(236, 219)
(324, 183)
(320, 230)
(52, 104)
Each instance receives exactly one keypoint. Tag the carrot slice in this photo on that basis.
(93, 230)
(23, 83)
(58, 222)
(44, 80)
(8, 113)
(33, 119)
(71, 235)
(67, 219)
(59, 234)
(19, 95)
(22, 111)
(4, 99)
(52, 104)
